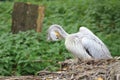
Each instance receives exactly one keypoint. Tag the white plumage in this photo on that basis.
(83, 44)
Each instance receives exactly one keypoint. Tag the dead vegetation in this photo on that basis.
(85, 70)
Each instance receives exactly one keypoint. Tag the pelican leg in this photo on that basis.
(74, 63)
(89, 62)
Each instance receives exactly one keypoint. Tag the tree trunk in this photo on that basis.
(27, 16)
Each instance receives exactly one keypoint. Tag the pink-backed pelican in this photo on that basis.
(84, 45)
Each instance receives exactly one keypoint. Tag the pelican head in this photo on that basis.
(56, 33)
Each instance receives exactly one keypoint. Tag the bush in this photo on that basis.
(26, 53)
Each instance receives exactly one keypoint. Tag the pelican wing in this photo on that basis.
(95, 48)
(73, 44)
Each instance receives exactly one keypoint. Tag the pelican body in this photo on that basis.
(83, 45)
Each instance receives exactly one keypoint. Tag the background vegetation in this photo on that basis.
(28, 52)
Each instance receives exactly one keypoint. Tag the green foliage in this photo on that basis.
(106, 15)
(29, 52)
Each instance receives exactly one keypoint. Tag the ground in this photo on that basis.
(85, 70)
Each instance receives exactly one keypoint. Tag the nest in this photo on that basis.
(85, 70)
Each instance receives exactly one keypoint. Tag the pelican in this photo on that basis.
(84, 45)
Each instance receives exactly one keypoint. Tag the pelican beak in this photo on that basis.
(57, 34)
